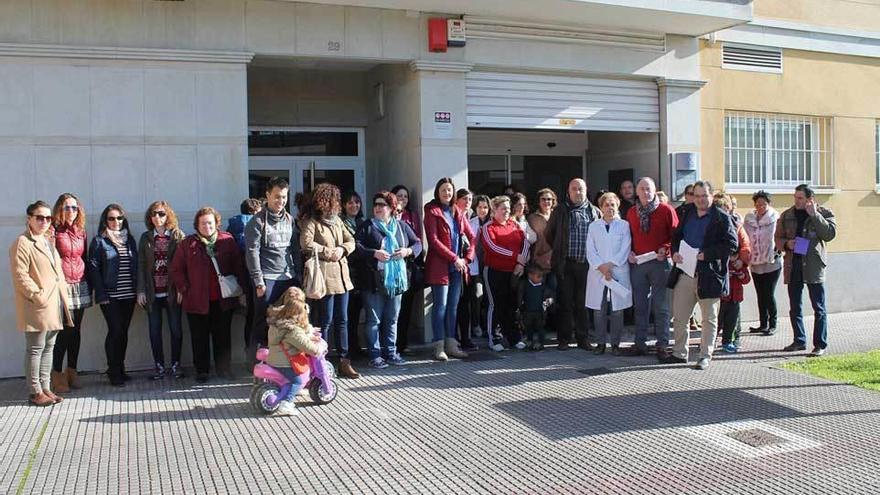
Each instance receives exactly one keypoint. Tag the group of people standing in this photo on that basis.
(571, 267)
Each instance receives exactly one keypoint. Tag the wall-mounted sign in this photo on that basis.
(455, 32)
(443, 124)
(567, 122)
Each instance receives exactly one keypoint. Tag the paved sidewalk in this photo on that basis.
(518, 422)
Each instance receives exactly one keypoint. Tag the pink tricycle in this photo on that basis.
(271, 386)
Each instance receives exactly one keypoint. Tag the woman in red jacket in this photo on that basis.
(71, 241)
(450, 249)
(195, 277)
(505, 253)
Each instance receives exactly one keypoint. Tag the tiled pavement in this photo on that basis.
(546, 422)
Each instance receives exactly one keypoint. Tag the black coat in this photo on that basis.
(719, 243)
(369, 239)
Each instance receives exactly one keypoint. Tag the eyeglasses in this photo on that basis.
(43, 218)
(116, 219)
(158, 213)
(379, 203)
(71, 208)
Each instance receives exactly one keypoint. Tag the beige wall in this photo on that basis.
(848, 14)
(811, 84)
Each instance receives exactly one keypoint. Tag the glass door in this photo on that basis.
(306, 158)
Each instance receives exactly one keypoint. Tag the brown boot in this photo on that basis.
(73, 379)
(346, 370)
(453, 349)
(40, 400)
(59, 382)
(55, 398)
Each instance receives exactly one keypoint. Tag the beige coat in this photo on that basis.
(317, 236)
(40, 287)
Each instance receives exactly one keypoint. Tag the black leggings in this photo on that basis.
(68, 342)
(765, 288)
(502, 306)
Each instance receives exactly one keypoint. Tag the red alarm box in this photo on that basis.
(437, 34)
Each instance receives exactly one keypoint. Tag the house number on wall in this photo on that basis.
(333, 46)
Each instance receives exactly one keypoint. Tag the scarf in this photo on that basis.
(119, 238)
(645, 213)
(209, 243)
(394, 277)
(350, 224)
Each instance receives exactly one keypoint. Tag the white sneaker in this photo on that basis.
(498, 348)
(520, 345)
(287, 408)
(477, 331)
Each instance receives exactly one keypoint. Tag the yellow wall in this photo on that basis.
(828, 85)
(849, 14)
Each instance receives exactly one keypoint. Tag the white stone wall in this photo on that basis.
(116, 131)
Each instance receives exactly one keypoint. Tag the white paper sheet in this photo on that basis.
(689, 263)
(617, 288)
(644, 258)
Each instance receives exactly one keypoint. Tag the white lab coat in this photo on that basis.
(603, 247)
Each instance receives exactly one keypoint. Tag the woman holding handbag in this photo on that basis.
(323, 236)
(450, 250)
(208, 273)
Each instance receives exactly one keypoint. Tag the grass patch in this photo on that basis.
(861, 369)
(31, 458)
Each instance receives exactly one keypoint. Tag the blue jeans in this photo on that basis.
(297, 382)
(817, 299)
(444, 313)
(382, 311)
(173, 313)
(332, 318)
(650, 293)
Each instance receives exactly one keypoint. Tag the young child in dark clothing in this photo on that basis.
(534, 295)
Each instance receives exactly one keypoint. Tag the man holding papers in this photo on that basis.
(706, 234)
(651, 224)
(801, 233)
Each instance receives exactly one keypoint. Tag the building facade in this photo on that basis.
(198, 101)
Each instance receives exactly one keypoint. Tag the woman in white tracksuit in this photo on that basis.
(608, 247)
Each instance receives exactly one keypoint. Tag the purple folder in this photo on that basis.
(801, 244)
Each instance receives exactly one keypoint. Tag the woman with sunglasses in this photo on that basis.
(40, 300)
(71, 242)
(113, 261)
(383, 245)
(155, 291)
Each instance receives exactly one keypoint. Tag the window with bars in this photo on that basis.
(767, 150)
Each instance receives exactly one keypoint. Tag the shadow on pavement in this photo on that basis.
(559, 419)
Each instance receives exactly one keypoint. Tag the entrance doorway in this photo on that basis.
(306, 158)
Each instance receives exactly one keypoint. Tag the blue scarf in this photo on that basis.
(395, 279)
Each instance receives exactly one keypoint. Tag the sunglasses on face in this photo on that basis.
(71, 208)
(160, 214)
(42, 218)
(116, 219)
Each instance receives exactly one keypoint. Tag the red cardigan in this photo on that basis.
(439, 237)
(194, 276)
(664, 221)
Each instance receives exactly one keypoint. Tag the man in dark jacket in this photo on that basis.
(567, 233)
(711, 231)
(802, 232)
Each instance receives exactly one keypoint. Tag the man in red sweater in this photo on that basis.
(651, 224)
